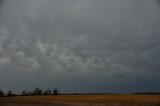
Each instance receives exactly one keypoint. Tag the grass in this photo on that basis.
(98, 100)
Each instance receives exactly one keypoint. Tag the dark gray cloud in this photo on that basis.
(80, 45)
(1, 2)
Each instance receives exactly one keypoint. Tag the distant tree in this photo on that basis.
(47, 92)
(55, 91)
(37, 91)
(24, 93)
(40, 92)
(29, 93)
(9, 93)
(2, 93)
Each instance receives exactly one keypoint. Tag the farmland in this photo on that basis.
(83, 100)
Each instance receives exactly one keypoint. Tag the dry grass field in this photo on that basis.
(82, 100)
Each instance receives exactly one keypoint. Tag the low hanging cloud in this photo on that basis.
(80, 45)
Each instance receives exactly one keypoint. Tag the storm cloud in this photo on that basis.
(80, 45)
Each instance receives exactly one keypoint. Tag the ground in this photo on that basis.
(82, 100)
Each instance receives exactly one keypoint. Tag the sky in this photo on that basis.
(80, 45)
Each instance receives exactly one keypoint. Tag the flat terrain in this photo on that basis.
(82, 100)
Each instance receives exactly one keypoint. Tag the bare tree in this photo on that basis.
(55, 91)
(37, 91)
(24, 93)
(2, 93)
(47, 92)
(9, 93)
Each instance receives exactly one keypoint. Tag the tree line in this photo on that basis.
(35, 92)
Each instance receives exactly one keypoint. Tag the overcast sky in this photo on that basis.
(80, 45)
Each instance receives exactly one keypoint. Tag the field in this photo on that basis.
(83, 100)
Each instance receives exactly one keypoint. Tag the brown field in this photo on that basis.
(82, 100)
